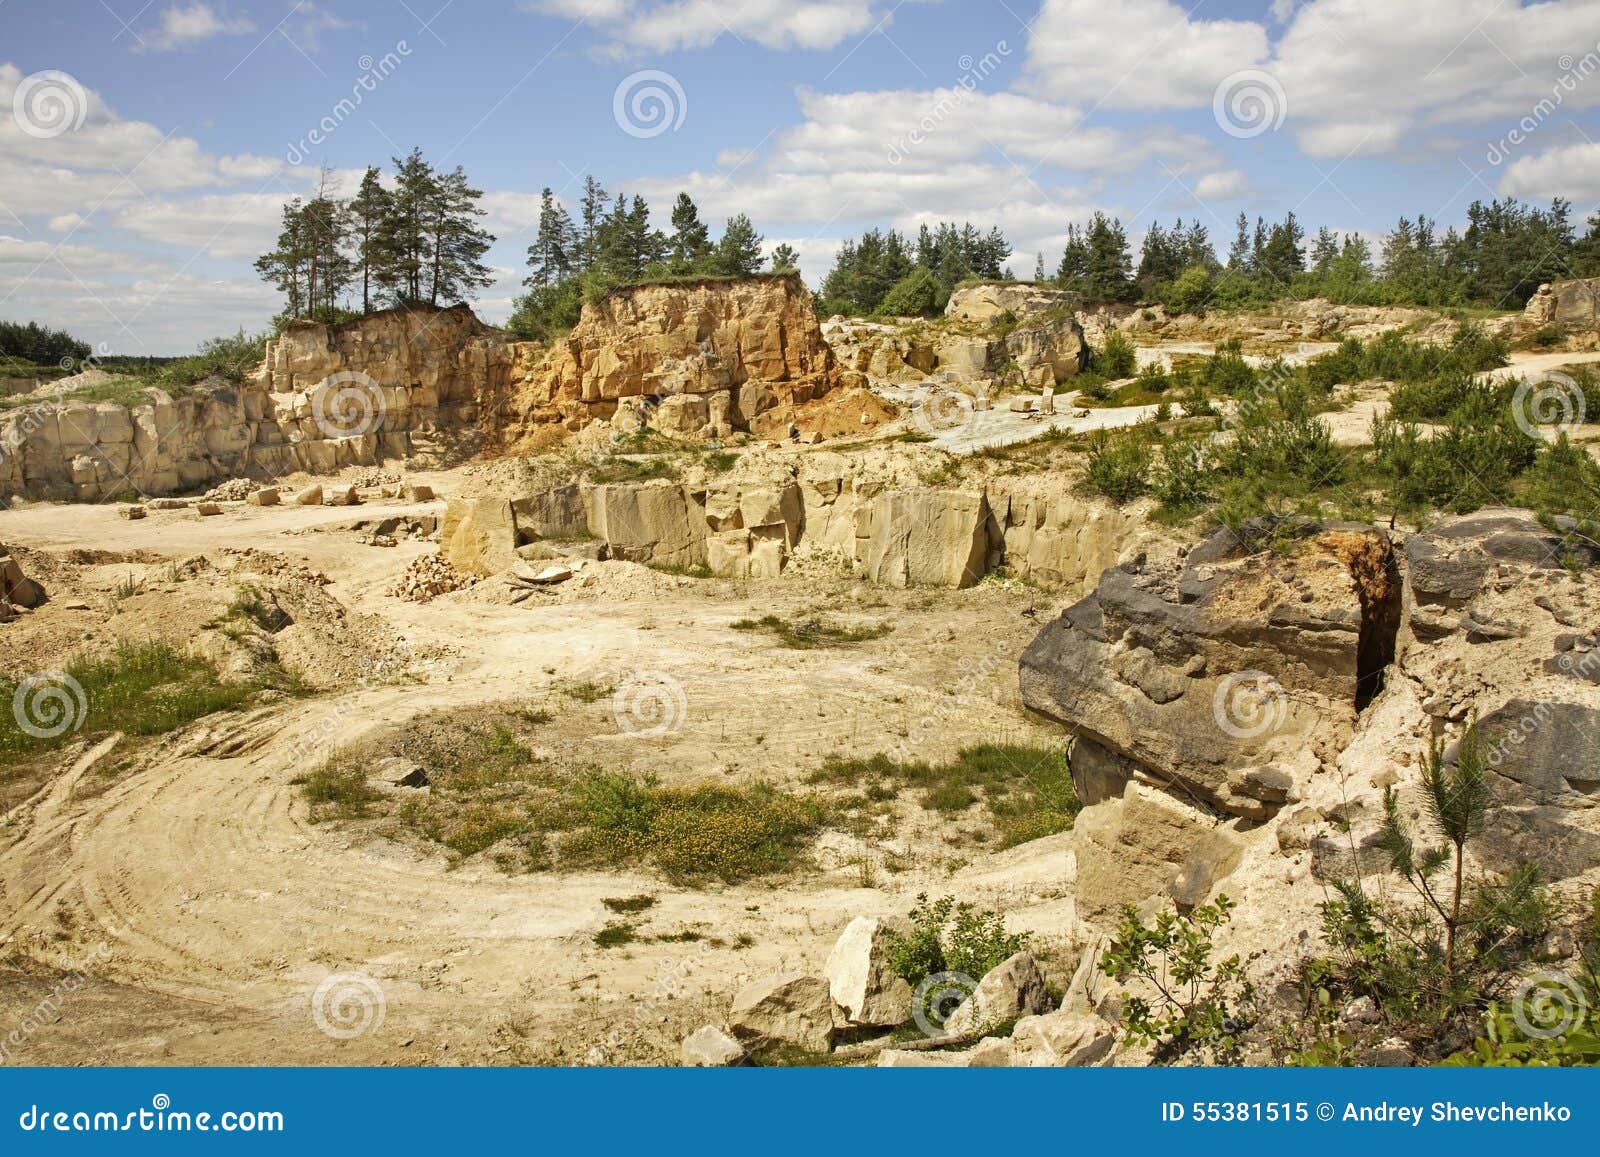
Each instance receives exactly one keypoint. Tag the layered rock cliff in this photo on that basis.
(691, 357)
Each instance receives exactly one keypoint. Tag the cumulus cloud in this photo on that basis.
(1136, 53)
(1571, 171)
(1357, 76)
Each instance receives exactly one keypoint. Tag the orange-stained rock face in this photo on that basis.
(756, 340)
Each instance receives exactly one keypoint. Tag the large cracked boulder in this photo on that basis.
(860, 978)
(1544, 763)
(1013, 988)
(916, 538)
(1226, 683)
(796, 1010)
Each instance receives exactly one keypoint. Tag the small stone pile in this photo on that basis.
(18, 593)
(233, 490)
(858, 992)
(427, 578)
(373, 479)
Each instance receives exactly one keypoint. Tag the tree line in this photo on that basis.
(36, 345)
(612, 243)
(889, 273)
(416, 241)
(1502, 256)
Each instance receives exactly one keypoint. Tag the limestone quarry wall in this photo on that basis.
(702, 356)
(698, 356)
(754, 528)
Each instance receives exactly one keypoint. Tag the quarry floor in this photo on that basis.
(207, 909)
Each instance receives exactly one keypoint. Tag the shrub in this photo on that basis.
(1195, 1005)
(1116, 359)
(1433, 967)
(949, 937)
(1227, 374)
(1118, 467)
(1184, 476)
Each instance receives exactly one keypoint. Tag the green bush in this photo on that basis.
(949, 937)
(140, 689)
(1119, 467)
(1190, 1003)
(1116, 359)
(1028, 791)
(1184, 476)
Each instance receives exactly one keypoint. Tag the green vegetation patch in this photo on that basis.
(807, 634)
(1027, 791)
(140, 689)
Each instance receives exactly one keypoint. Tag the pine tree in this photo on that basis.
(785, 259)
(405, 235)
(456, 242)
(690, 247)
(368, 208)
(739, 251)
(591, 220)
(552, 256)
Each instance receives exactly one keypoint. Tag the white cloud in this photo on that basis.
(1221, 185)
(183, 25)
(1572, 171)
(666, 25)
(1357, 76)
(1136, 53)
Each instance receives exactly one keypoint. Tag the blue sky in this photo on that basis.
(146, 148)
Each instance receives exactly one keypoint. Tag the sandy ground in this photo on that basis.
(208, 910)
